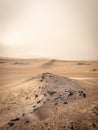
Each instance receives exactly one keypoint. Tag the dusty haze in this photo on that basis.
(65, 29)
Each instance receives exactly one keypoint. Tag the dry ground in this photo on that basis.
(45, 94)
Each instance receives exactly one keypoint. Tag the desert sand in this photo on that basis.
(48, 94)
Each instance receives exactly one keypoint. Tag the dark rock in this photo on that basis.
(23, 114)
(81, 93)
(84, 95)
(36, 95)
(16, 119)
(57, 98)
(27, 122)
(56, 103)
(51, 92)
(71, 93)
(46, 124)
(64, 126)
(38, 102)
(26, 98)
(94, 125)
(65, 102)
(41, 80)
(72, 128)
(10, 124)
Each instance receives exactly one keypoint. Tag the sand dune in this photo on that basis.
(44, 94)
(48, 64)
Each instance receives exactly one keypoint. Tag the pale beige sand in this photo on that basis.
(65, 98)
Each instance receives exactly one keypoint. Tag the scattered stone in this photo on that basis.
(65, 102)
(38, 102)
(27, 122)
(71, 93)
(10, 124)
(72, 128)
(94, 125)
(16, 119)
(26, 98)
(84, 95)
(81, 93)
(64, 126)
(51, 92)
(60, 97)
(56, 103)
(23, 114)
(36, 95)
(41, 80)
(46, 124)
(57, 98)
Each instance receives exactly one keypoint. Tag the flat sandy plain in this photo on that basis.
(48, 94)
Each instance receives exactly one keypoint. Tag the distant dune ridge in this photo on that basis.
(48, 64)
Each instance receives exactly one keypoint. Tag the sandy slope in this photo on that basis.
(42, 94)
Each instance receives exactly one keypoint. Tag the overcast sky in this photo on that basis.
(64, 29)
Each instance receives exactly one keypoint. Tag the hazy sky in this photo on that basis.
(64, 29)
